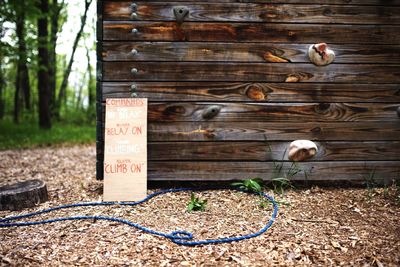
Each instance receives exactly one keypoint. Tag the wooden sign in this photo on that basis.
(125, 149)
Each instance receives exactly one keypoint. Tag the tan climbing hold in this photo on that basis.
(320, 54)
(301, 150)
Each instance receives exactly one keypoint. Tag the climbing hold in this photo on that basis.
(255, 92)
(320, 54)
(180, 13)
(133, 6)
(211, 112)
(301, 150)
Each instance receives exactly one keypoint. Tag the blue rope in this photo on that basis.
(180, 237)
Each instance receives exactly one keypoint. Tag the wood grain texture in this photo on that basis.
(338, 2)
(270, 151)
(256, 72)
(272, 131)
(263, 112)
(232, 86)
(213, 171)
(255, 12)
(272, 112)
(250, 32)
(263, 92)
(244, 52)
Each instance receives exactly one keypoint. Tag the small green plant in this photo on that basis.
(281, 184)
(265, 203)
(251, 185)
(371, 184)
(196, 204)
(281, 180)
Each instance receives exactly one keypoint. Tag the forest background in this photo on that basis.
(47, 72)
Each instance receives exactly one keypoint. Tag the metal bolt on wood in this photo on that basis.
(134, 70)
(133, 6)
(135, 31)
(134, 15)
(133, 87)
(134, 51)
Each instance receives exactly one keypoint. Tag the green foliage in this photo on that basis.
(371, 183)
(281, 179)
(265, 203)
(281, 184)
(28, 134)
(59, 13)
(251, 185)
(196, 204)
(79, 116)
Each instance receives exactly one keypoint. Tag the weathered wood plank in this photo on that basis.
(250, 32)
(272, 131)
(244, 52)
(266, 92)
(254, 12)
(257, 72)
(272, 112)
(338, 2)
(212, 171)
(270, 151)
(269, 131)
(293, 112)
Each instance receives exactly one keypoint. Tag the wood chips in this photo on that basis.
(319, 226)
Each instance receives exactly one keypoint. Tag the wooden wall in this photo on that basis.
(232, 86)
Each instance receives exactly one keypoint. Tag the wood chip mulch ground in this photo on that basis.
(318, 226)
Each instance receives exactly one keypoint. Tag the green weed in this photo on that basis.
(265, 203)
(251, 185)
(196, 204)
(371, 183)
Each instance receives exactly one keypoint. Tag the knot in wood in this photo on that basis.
(322, 107)
(175, 110)
(327, 12)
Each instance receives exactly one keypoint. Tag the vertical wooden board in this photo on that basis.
(125, 158)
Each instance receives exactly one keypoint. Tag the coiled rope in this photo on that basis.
(180, 237)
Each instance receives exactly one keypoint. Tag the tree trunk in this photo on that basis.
(17, 98)
(22, 68)
(43, 74)
(91, 93)
(2, 80)
(64, 84)
(79, 96)
(2, 86)
(54, 27)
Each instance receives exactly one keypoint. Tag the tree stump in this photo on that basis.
(23, 195)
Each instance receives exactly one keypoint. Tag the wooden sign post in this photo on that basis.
(125, 149)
